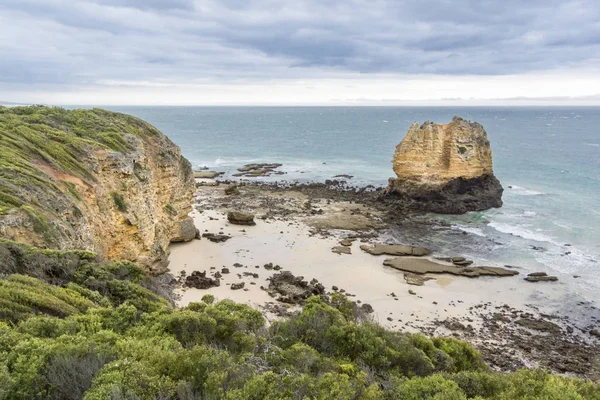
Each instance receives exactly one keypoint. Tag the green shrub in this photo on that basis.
(119, 201)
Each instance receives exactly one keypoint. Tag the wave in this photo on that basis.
(519, 231)
(469, 229)
(592, 144)
(521, 191)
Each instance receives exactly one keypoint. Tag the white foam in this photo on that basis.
(519, 190)
(520, 231)
(469, 229)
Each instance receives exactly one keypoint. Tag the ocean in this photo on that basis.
(547, 159)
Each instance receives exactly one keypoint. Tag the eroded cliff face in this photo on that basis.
(446, 168)
(94, 180)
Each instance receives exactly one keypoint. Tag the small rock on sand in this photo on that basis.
(240, 218)
(238, 286)
(346, 242)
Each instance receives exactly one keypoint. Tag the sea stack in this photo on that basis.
(445, 168)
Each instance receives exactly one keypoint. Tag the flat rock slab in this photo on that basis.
(416, 280)
(395, 250)
(341, 250)
(207, 174)
(424, 266)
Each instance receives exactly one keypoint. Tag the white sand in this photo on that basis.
(360, 273)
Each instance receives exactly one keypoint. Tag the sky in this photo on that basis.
(300, 52)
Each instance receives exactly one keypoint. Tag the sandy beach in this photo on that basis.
(297, 232)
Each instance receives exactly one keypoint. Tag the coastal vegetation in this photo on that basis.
(75, 327)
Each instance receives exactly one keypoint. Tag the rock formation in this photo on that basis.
(94, 180)
(446, 168)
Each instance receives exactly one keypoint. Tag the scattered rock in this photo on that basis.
(224, 270)
(395, 250)
(341, 250)
(538, 325)
(238, 286)
(240, 218)
(595, 332)
(199, 280)
(410, 291)
(346, 242)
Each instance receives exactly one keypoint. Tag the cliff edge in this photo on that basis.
(446, 168)
(95, 180)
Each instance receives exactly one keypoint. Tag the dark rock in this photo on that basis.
(199, 280)
(225, 270)
(458, 196)
(538, 325)
(217, 238)
(238, 286)
(287, 288)
(366, 307)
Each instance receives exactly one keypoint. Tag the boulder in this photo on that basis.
(445, 168)
(240, 218)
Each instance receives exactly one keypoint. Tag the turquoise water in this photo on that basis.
(548, 160)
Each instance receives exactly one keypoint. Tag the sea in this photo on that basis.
(547, 159)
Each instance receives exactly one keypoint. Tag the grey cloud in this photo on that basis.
(85, 41)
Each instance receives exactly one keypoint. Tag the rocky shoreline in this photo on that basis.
(288, 255)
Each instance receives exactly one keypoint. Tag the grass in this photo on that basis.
(119, 201)
(37, 138)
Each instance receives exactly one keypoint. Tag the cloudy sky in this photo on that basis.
(299, 51)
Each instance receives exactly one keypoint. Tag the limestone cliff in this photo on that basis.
(446, 168)
(94, 180)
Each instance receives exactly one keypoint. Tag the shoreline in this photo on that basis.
(297, 227)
